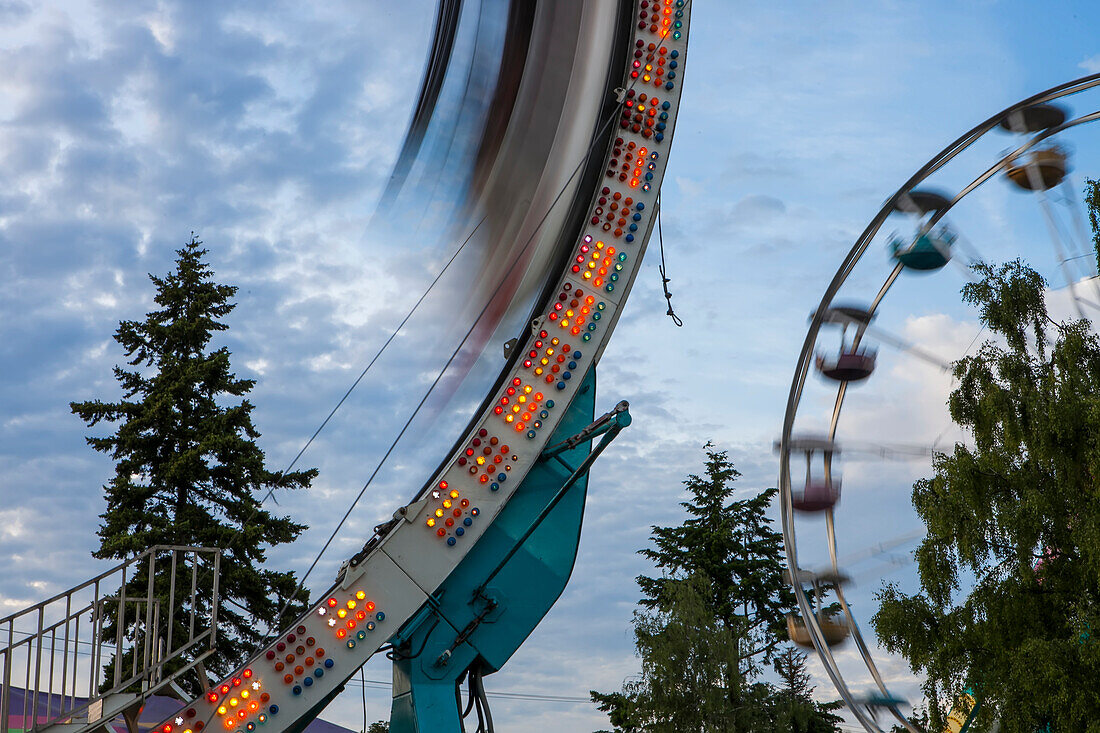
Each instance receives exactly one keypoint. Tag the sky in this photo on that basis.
(125, 127)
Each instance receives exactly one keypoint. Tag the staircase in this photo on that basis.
(78, 661)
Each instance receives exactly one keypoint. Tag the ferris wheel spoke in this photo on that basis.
(1081, 241)
(885, 288)
(837, 406)
(1056, 241)
(853, 626)
(897, 342)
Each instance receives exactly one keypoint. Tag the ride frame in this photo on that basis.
(455, 598)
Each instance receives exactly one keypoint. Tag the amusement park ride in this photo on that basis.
(1037, 166)
(462, 574)
(454, 583)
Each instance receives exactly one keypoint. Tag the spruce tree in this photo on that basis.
(188, 470)
(732, 543)
(795, 710)
(713, 618)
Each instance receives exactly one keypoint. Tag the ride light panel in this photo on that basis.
(561, 348)
(284, 681)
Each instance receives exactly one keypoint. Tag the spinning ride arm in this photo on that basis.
(398, 576)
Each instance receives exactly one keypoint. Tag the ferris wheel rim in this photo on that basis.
(807, 352)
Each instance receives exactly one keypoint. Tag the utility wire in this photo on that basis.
(363, 679)
(515, 261)
(381, 684)
(366, 369)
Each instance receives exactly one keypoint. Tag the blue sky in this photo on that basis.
(125, 126)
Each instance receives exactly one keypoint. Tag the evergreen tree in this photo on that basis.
(795, 709)
(687, 656)
(712, 620)
(1016, 518)
(187, 467)
(732, 543)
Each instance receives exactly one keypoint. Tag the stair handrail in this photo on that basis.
(41, 641)
(101, 576)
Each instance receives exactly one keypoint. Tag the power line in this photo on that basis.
(380, 684)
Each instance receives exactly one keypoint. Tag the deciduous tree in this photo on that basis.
(1010, 568)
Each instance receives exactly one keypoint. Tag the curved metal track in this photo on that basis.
(296, 675)
(806, 358)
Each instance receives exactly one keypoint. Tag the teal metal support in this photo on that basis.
(610, 425)
(507, 582)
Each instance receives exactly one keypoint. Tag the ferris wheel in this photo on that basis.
(929, 243)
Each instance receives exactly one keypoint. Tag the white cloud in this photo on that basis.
(271, 133)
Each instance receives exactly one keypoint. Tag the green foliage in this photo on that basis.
(1016, 519)
(379, 726)
(732, 543)
(187, 467)
(711, 621)
(794, 708)
(689, 662)
(919, 718)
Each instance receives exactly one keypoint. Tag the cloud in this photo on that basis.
(270, 132)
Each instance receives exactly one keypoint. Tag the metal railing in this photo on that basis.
(130, 630)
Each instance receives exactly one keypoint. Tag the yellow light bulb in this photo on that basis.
(439, 512)
(351, 604)
(454, 494)
(360, 595)
(342, 613)
(431, 521)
